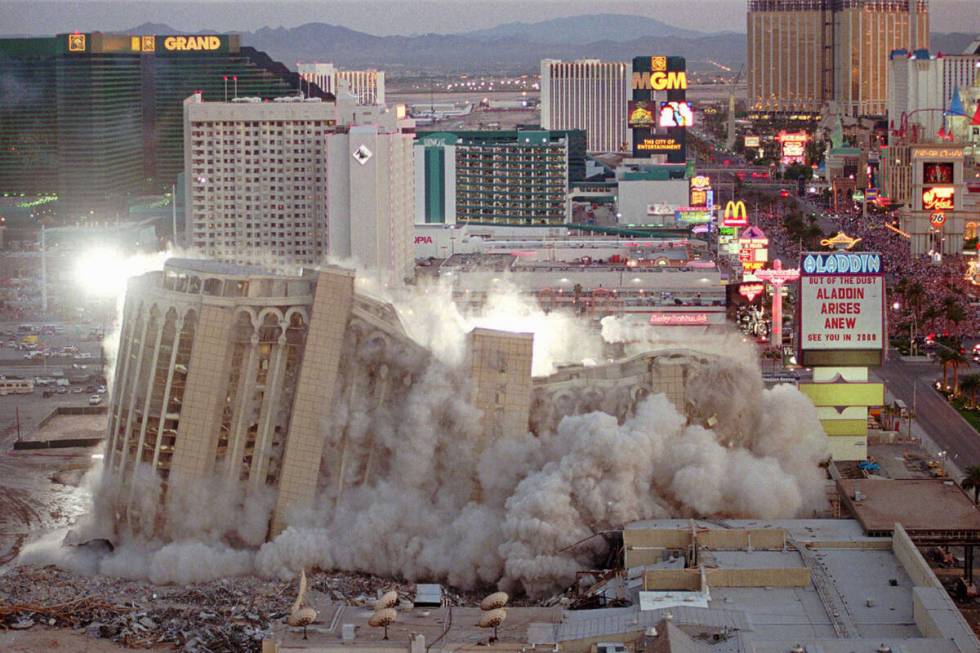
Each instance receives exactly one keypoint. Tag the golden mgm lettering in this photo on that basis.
(189, 43)
(660, 81)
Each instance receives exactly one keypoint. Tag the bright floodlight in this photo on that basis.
(102, 272)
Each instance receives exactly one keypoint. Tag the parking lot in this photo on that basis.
(64, 363)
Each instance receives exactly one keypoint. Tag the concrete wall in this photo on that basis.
(672, 579)
(690, 579)
(739, 539)
(636, 195)
(775, 577)
(313, 400)
(912, 561)
(732, 539)
(500, 367)
(638, 557)
(204, 397)
(657, 537)
(937, 617)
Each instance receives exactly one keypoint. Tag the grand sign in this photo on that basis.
(841, 302)
(191, 43)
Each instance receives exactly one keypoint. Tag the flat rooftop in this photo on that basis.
(456, 625)
(925, 507)
(70, 427)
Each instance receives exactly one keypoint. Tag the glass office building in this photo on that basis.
(98, 118)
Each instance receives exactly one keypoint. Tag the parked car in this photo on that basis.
(95, 400)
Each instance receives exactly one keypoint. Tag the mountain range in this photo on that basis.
(512, 47)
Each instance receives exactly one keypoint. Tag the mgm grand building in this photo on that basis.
(239, 374)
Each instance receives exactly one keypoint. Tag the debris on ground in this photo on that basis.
(229, 615)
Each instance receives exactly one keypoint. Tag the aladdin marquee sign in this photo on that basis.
(841, 307)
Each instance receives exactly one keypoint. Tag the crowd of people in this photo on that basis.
(945, 303)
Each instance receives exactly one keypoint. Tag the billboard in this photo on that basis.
(660, 81)
(938, 198)
(701, 193)
(841, 307)
(693, 215)
(676, 114)
(793, 146)
(937, 172)
(753, 249)
(657, 145)
(641, 114)
(752, 141)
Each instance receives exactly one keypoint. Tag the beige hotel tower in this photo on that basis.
(805, 53)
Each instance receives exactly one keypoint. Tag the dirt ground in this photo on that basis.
(37, 640)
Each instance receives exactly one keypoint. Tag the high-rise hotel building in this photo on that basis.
(96, 118)
(292, 181)
(587, 94)
(368, 86)
(803, 54)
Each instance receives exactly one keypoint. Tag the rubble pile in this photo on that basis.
(228, 615)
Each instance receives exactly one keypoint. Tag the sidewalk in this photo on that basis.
(928, 444)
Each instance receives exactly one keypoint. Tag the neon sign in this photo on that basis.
(735, 214)
(751, 290)
(190, 43)
(679, 319)
(660, 81)
(938, 198)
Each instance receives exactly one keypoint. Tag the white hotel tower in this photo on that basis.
(294, 180)
(587, 94)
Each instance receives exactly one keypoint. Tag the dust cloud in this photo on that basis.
(413, 489)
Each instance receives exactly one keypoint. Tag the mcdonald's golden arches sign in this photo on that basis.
(735, 215)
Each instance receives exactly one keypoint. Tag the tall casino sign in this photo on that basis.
(660, 85)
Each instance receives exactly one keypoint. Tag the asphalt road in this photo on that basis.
(943, 424)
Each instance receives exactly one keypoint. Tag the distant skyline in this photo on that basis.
(394, 17)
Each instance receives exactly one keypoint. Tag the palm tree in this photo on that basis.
(942, 357)
(971, 481)
(952, 358)
(953, 310)
(971, 383)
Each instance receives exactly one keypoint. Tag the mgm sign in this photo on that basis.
(660, 79)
